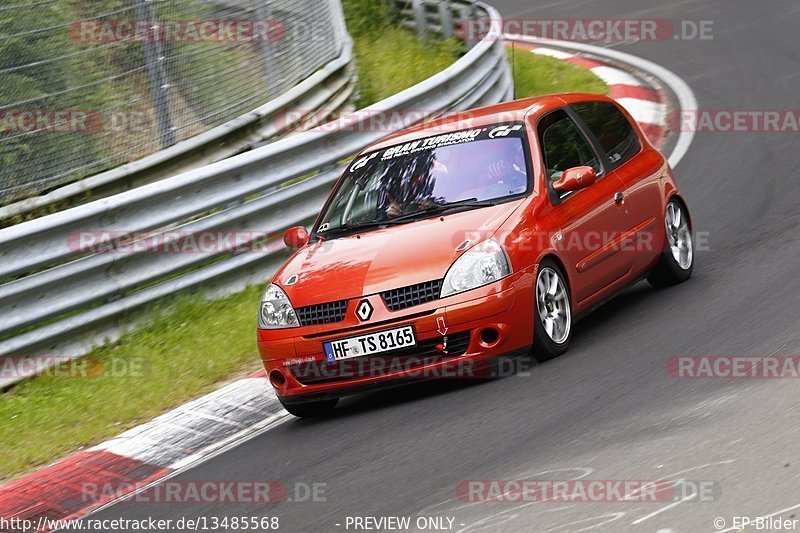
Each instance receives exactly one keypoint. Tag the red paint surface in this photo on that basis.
(585, 62)
(58, 491)
(634, 91)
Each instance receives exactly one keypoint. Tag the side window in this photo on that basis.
(563, 145)
(612, 130)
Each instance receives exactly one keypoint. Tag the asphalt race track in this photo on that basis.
(608, 409)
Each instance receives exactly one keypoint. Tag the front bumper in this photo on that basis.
(481, 324)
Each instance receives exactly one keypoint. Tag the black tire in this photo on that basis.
(669, 270)
(310, 409)
(544, 346)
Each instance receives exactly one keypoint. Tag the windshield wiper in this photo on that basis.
(437, 209)
(440, 209)
(355, 228)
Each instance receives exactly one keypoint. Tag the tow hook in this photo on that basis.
(441, 327)
(442, 347)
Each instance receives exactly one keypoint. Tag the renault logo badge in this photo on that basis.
(364, 310)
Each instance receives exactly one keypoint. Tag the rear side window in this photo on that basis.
(612, 129)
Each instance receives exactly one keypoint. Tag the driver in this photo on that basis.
(413, 194)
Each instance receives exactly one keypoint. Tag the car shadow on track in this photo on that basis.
(370, 402)
(608, 314)
(620, 310)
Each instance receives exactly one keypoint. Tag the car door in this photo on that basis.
(588, 221)
(638, 168)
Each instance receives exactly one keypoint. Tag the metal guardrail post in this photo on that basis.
(473, 8)
(154, 60)
(467, 22)
(446, 16)
(337, 11)
(263, 14)
(420, 18)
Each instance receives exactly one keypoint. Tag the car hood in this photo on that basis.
(379, 260)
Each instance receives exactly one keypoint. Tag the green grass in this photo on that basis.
(536, 75)
(388, 57)
(394, 59)
(191, 346)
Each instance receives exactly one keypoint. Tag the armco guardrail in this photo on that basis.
(57, 302)
(328, 89)
(426, 16)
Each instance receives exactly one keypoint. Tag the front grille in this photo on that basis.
(424, 353)
(326, 313)
(404, 297)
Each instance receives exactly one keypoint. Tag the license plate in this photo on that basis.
(372, 343)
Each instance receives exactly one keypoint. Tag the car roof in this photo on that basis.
(511, 111)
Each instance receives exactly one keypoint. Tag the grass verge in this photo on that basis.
(390, 58)
(537, 74)
(394, 60)
(193, 344)
(190, 347)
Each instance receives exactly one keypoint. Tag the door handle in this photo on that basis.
(618, 197)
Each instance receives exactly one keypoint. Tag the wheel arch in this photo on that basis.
(675, 195)
(557, 260)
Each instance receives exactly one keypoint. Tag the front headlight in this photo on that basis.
(276, 311)
(485, 263)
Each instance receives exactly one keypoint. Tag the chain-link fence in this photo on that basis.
(87, 85)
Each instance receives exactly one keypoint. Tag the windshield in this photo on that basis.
(473, 167)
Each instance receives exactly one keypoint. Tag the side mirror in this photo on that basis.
(296, 237)
(575, 178)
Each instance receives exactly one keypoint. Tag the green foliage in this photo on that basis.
(37, 88)
(365, 17)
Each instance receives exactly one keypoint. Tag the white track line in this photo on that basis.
(557, 54)
(645, 111)
(615, 76)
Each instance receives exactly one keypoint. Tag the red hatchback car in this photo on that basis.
(451, 243)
